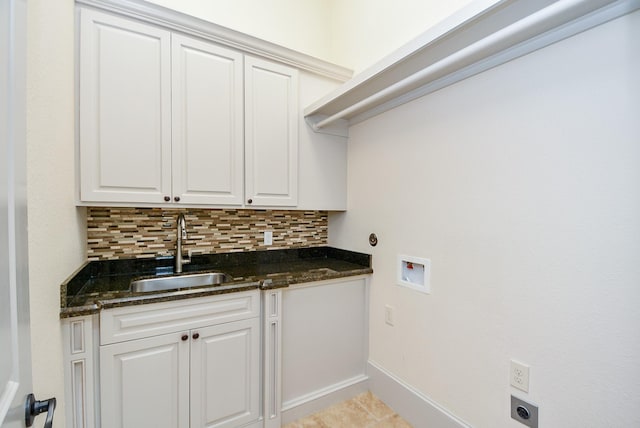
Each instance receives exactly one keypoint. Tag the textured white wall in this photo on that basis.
(56, 227)
(516, 183)
(298, 25)
(522, 186)
(364, 31)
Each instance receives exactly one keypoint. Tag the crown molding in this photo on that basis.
(177, 21)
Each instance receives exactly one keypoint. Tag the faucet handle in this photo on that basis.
(182, 226)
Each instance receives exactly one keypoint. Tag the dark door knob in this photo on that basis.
(249, 201)
(176, 198)
(196, 335)
(167, 199)
(33, 408)
(185, 337)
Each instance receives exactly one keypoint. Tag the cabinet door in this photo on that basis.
(271, 133)
(125, 129)
(225, 374)
(145, 383)
(207, 123)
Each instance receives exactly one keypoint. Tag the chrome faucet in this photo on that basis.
(181, 234)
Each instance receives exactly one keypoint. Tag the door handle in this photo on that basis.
(33, 408)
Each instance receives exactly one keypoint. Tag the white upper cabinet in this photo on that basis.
(125, 118)
(207, 123)
(170, 118)
(271, 139)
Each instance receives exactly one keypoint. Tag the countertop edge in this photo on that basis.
(95, 308)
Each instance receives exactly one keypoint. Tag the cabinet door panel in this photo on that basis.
(145, 383)
(207, 123)
(225, 373)
(125, 141)
(271, 133)
(311, 334)
(272, 358)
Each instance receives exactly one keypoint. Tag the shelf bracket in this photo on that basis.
(338, 128)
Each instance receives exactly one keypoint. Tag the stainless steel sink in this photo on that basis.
(182, 281)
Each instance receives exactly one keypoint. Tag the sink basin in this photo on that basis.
(182, 281)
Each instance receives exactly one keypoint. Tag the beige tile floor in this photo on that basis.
(362, 411)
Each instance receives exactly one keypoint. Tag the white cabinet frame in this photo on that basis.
(272, 357)
(80, 338)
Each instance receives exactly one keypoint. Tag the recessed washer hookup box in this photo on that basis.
(414, 273)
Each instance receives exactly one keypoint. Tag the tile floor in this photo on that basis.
(362, 411)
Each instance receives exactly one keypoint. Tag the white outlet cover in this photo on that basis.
(268, 237)
(519, 375)
(389, 315)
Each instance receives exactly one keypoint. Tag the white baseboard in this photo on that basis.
(323, 398)
(416, 408)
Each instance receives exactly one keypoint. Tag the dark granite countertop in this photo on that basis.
(105, 284)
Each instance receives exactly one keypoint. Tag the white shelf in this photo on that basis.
(480, 36)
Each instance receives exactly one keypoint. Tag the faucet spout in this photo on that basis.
(181, 233)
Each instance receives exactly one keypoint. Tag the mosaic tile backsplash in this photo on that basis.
(115, 233)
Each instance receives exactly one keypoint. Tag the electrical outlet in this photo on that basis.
(519, 376)
(523, 412)
(268, 237)
(389, 315)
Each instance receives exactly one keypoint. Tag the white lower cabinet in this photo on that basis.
(252, 359)
(207, 377)
(204, 373)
